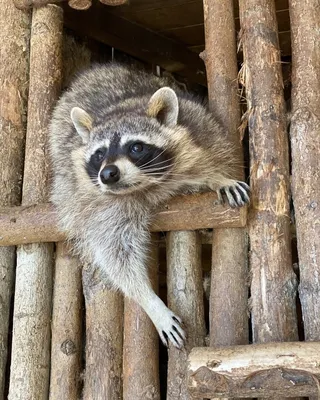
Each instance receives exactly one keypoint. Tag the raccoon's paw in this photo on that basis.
(169, 328)
(238, 194)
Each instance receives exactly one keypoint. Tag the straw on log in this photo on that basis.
(33, 224)
(66, 345)
(141, 344)
(29, 378)
(185, 298)
(305, 145)
(14, 70)
(272, 370)
(273, 288)
(104, 338)
(229, 276)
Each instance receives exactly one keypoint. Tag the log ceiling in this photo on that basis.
(169, 33)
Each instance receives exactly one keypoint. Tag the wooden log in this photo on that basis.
(76, 4)
(114, 2)
(80, 4)
(185, 298)
(14, 71)
(274, 370)
(273, 287)
(229, 275)
(305, 144)
(104, 338)
(141, 344)
(26, 4)
(29, 378)
(33, 224)
(66, 341)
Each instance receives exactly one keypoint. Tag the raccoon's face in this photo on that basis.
(133, 154)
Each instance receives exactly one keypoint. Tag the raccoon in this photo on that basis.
(123, 141)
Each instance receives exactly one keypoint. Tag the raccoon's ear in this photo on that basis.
(164, 106)
(82, 122)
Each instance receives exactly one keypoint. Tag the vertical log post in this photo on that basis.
(66, 342)
(305, 144)
(141, 344)
(14, 71)
(229, 291)
(185, 298)
(104, 338)
(273, 287)
(67, 315)
(29, 377)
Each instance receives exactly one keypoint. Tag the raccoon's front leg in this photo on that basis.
(237, 192)
(131, 278)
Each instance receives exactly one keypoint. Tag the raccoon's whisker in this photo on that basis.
(159, 163)
(157, 169)
(153, 159)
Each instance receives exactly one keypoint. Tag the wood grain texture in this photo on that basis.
(141, 343)
(305, 145)
(29, 377)
(272, 370)
(185, 298)
(66, 327)
(273, 286)
(14, 71)
(33, 224)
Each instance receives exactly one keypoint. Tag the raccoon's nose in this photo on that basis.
(110, 174)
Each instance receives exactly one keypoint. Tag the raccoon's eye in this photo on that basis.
(99, 154)
(136, 148)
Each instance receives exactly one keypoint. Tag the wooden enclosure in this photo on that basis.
(244, 281)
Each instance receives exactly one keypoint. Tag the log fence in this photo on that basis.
(73, 337)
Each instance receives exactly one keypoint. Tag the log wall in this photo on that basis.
(14, 75)
(273, 285)
(305, 145)
(72, 336)
(30, 363)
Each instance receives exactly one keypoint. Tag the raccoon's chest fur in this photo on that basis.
(109, 231)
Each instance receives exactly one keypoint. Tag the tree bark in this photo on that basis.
(272, 370)
(229, 275)
(185, 298)
(38, 223)
(104, 338)
(29, 377)
(305, 145)
(14, 71)
(66, 342)
(141, 344)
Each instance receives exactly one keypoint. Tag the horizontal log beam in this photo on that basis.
(76, 4)
(38, 223)
(259, 370)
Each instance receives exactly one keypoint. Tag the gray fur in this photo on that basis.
(109, 223)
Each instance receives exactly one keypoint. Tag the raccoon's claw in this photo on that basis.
(237, 194)
(171, 331)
